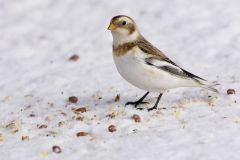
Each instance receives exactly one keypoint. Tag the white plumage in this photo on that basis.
(143, 65)
(132, 68)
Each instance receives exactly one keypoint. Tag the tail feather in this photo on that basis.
(210, 87)
(207, 86)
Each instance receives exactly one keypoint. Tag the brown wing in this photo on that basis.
(148, 48)
(155, 53)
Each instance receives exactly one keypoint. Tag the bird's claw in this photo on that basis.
(136, 103)
(150, 109)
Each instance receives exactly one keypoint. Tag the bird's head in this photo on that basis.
(123, 29)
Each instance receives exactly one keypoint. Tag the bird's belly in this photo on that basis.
(147, 77)
(141, 75)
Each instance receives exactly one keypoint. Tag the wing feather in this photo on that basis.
(158, 59)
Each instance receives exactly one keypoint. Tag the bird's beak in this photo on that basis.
(112, 27)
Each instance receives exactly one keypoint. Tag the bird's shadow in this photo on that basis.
(175, 98)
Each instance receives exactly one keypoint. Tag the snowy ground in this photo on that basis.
(36, 79)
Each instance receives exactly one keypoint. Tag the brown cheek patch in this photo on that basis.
(123, 49)
(131, 28)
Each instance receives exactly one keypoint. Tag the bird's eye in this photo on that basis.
(124, 23)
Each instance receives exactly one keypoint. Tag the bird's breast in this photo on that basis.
(135, 71)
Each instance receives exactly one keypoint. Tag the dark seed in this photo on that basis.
(56, 149)
(73, 99)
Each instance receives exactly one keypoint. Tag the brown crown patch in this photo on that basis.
(120, 16)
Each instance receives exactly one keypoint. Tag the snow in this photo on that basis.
(37, 39)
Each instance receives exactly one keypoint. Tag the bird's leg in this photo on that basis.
(156, 104)
(140, 101)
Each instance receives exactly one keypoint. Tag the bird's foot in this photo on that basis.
(135, 104)
(154, 107)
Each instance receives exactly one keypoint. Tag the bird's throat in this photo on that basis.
(121, 39)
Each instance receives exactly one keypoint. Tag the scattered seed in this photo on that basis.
(32, 115)
(80, 134)
(63, 113)
(73, 99)
(136, 118)
(14, 126)
(80, 110)
(117, 98)
(112, 128)
(42, 126)
(111, 115)
(25, 138)
(231, 91)
(80, 118)
(60, 123)
(56, 149)
(74, 57)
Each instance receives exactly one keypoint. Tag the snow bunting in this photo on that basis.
(143, 65)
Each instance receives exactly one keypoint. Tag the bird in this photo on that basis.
(145, 66)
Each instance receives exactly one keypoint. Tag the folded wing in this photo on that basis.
(159, 60)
